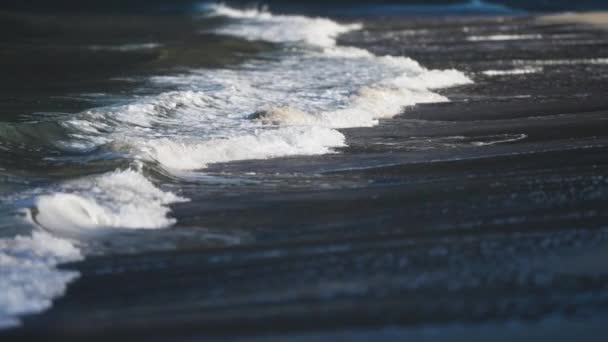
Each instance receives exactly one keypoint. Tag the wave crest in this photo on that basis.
(282, 142)
(259, 24)
(29, 280)
(119, 199)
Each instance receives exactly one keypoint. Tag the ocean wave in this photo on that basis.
(291, 104)
(259, 24)
(232, 107)
(367, 107)
(37, 137)
(282, 142)
(119, 199)
(65, 219)
(30, 279)
(385, 98)
(323, 87)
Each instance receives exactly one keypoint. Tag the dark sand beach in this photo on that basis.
(479, 219)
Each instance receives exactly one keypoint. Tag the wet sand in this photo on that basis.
(599, 19)
(479, 218)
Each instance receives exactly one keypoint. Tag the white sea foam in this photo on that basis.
(346, 52)
(353, 92)
(29, 280)
(119, 199)
(288, 141)
(518, 71)
(322, 87)
(211, 119)
(366, 107)
(384, 99)
(263, 109)
(504, 37)
(259, 24)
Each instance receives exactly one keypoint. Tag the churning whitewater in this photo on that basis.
(288, 103)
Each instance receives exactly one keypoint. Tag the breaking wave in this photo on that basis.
(30, 279)
(259, 24)
(291, 104)
(119, 199)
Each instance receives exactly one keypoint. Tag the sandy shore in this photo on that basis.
(599, 19)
